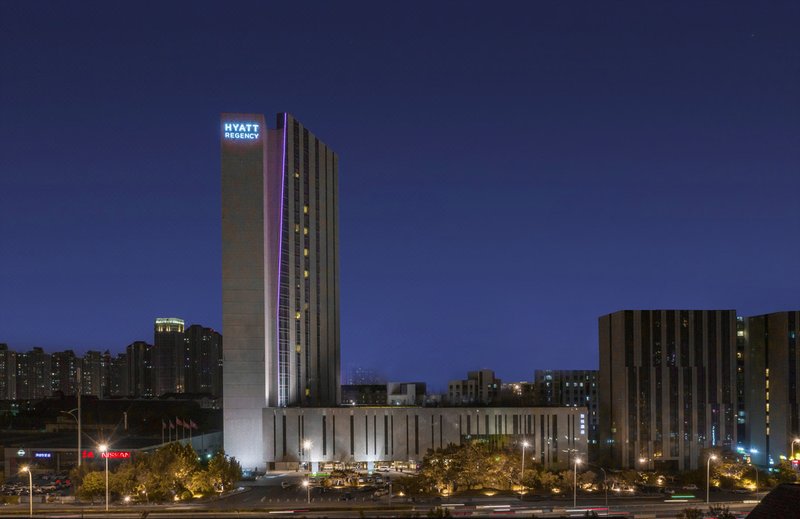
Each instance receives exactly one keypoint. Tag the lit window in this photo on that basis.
(305, 252)
(305, 209)
(296, 174)
(305, 273)
(297, 348)
(305, 231)
(297, 315)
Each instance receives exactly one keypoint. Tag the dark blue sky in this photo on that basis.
(509, 171)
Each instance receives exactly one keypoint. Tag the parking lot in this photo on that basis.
(48, 484)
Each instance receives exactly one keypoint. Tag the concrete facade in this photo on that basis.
(405, 434)
(667, 386)
(280, 274)
(772, 398)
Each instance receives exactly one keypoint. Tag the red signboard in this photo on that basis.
(116, 455)
(112, 455)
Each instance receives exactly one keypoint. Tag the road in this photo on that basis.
(268, 498)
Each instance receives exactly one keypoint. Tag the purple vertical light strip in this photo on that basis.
(280, 258)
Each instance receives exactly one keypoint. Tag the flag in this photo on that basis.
(171, 425)
(178, 422)
(192, 424)
(163, 425)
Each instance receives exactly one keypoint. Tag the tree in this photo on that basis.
(548, 481)
(587, 479)
(122, 482)
(93, 484)
(223, 472)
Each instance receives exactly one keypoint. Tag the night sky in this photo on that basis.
(508, 171)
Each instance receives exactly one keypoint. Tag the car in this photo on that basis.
(690, 486)
(286, 484)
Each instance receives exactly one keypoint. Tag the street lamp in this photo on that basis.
(708, 477)
(575, 484)
(756, 467)
(522, 474)
(104, 450)
(77, 419)
(308, 490)
(307, 449)
(605, 483)
(30, 488)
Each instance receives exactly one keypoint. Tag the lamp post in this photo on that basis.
(27, 469)
(756, 467)
(522, 473)
(77, 419)
(708, 478)
(104, 450)
(307, 484)
(307, 452)
(605, 483)
(575, 484)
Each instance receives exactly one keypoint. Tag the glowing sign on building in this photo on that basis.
(112, 455)
(116, 455)
(42, 455)
(241, 131)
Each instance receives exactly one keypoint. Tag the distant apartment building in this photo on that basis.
(93, 368)
(33, 375)
(667, 386)
(36, 374)
(480, 387)
(772, 396)
(168, 356)
(405, 393)
(8, 373)
(140, 373)
(363, 394)
(64, 367)
(569, 387)
(203, 360)
(116, 375)
(522, 393)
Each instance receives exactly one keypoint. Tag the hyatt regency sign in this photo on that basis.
(241, 131)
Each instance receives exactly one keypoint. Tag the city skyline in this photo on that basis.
(494, 205)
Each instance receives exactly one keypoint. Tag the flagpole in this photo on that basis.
(162, 432)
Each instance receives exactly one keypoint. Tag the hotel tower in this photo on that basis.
(280, 275)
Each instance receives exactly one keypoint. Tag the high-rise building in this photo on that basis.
(569, 387)
(92, 373)
(117, 375)
(667, 386)
(203, 364)
(33, 375)
(140, 369)
(8, 373)
(772, 396)
(168, 355)
(280, 274)
(64, 367)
